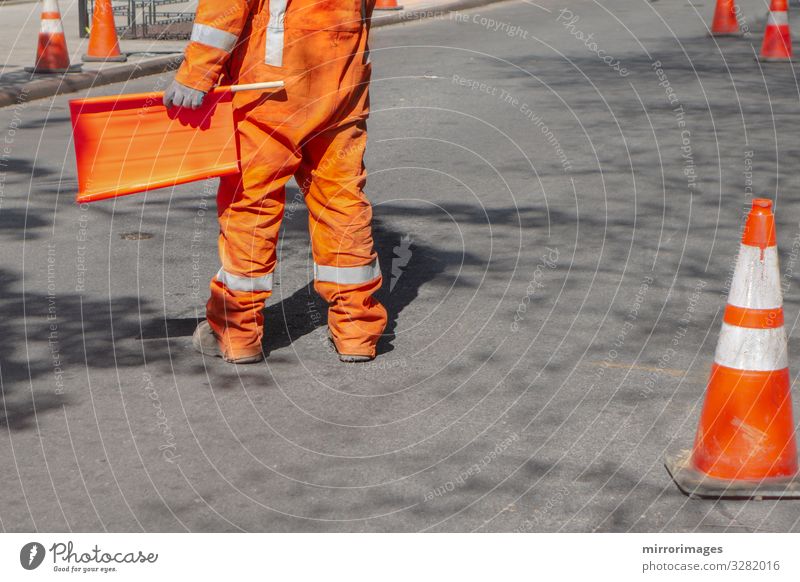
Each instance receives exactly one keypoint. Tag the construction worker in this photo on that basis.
(313, 129)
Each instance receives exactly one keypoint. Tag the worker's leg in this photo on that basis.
(346, 269)
(250, 209)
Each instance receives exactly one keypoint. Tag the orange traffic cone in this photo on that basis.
(777, 45)
(745, 445)
(52, 55)
(387, 5)
(103, 42)
(725, 22)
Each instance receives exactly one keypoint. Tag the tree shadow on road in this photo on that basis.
(51, 342)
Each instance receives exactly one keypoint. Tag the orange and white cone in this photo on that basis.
(387, 5)
(777, 44)
(745, 445)
(103, 41)
(52, 55)
(725, 22)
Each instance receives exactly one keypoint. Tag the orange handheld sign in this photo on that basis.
(126, 144)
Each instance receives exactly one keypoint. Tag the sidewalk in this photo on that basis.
(19, 47)
(145, 56)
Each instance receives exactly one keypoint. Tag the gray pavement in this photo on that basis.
(555, 232)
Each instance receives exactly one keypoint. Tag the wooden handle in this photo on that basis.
(251, 87)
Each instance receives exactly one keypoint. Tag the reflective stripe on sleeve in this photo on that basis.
(347, 275)
(214, 37)
(275, 32)
(238, 283)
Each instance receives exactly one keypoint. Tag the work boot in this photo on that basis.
(205, 341)
(348, 358)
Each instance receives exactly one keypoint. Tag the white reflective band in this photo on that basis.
(756, 284)
(50, 6)
(275, 30)
(237, 283)
(214, 37)
(778, 19)
(51, 26)
(347, 275)
(742, 348)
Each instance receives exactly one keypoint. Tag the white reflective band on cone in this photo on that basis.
(51, 26)
(758, 350)
(214, 37)
(756, 284)
(778, 19)
(275, 30)
(347, 275)
(238, 283)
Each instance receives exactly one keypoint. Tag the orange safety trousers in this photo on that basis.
(313, 130)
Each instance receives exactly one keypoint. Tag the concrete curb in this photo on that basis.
(397, 17)
(42, 88)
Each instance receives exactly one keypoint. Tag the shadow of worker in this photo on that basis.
(405, 266)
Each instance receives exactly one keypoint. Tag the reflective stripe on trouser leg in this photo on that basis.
(347, 275)
(249, 284)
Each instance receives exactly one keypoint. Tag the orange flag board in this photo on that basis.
(132, 143)
(126, 144)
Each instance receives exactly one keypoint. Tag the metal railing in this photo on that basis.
(142, 18)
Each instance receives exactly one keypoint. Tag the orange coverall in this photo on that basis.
(314, 130)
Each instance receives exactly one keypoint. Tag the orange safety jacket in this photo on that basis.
(290, 40)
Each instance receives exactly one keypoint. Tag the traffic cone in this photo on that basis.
(387, 5)
(52, 55)
(777, 45)
(725, 22)
(745, 445)
(103, 42)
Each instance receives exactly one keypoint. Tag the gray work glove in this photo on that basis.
(182, 96)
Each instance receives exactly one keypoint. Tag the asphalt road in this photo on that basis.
(556, 216)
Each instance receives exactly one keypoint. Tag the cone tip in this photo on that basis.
(760, 227)
(762, 206)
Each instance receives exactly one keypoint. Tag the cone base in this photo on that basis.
(114, 59)
(695, 483)
(38, 71)
(774, 59)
